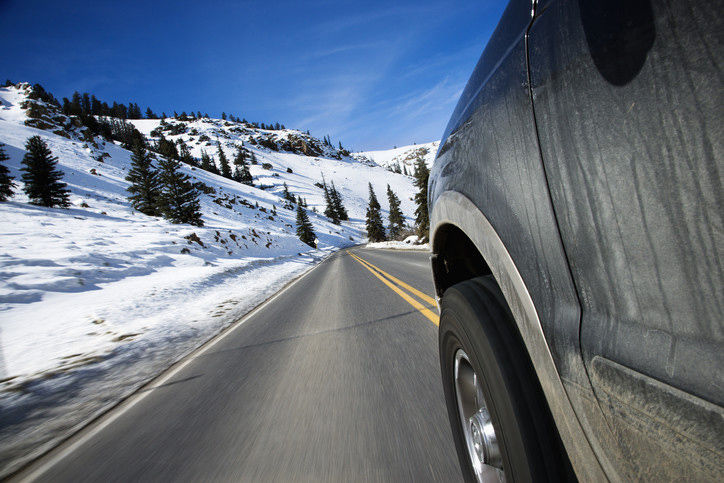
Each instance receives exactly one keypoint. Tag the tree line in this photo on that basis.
(374, 224)
(163, 191)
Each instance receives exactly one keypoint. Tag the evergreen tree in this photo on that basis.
(86, 104)
(253, 158)
(329, 211)
(145, 184)
(240, 156)
(224, 162)
(338, 205)
(207, 163)
(150, 114)
(375, 227)
(6, 181)
(133, 111)
(41, 177)
(96, 106)
(185, 154)
(167, 148)
(287, 195)
(305, 230)
(119, 110)
(126, 133)
(397, 220)
(76, 108)
(242, 173)
(422, 218)
(179, 200)
(66, 106)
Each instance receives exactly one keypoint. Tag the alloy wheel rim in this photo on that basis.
(480, 437)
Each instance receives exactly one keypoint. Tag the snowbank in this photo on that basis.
(409, 243)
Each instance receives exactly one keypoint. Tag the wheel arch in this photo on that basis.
(465, 245)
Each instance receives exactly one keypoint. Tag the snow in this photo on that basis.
(97, 299)
(412, 242)
(405, 155)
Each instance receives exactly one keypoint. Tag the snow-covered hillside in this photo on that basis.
(98, 298)
(402, 159)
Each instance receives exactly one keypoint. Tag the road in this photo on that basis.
(334, 379)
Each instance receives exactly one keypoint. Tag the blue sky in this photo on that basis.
(371, 74)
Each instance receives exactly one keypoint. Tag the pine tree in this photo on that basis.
(179, 199)
(287, 195)
(240, 156)
(6, 181)
(397, 220)
(253, 159)
(329, 211)
(422, 218)
(242, 173)
(338, 205)
(167, 148)
(41, 177)
(224, 162)
(145, 184)
(86, 104)
(305, 230)
(185, 154)
(375, 227)
(134, 111)
(76, 108)
(207, 163)
(96, 106)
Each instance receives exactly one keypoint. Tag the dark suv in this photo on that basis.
(577, 230)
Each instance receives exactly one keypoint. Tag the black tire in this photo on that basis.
(514, 438)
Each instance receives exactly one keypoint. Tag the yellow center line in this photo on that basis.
(431, 301)
(434, 318)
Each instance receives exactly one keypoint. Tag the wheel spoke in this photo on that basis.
(480, 436)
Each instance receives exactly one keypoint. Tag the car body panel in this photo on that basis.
(601, 245)
(454, 208)
(503, 172)
(628, 104)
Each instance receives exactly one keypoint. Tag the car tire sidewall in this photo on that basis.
(472, 319)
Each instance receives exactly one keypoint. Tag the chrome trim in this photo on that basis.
(452, 208)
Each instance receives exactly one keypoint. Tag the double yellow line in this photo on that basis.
(400, 288)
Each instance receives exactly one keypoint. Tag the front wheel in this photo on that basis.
(501, 425)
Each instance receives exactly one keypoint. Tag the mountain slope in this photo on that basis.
(403, 158)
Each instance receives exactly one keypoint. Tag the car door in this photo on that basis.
(627, 97)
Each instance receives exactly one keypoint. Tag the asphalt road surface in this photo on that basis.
(335, 379)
